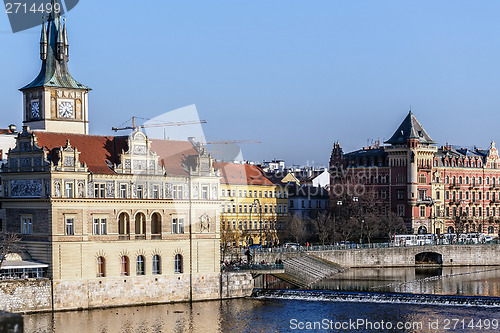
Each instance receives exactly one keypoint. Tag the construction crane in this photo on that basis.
(173, 123)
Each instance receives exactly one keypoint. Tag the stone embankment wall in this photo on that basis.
(452, 255)
(36, 295)
(236, 285)
(30, 295)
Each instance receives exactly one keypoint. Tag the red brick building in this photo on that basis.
(435, 189)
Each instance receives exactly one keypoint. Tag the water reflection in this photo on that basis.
(469, 281)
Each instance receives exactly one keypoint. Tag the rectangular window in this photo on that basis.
(97, 229)
(156, 192)
(175, 230)
(104, 228)
(70, 226)
(26, 224)
(401, 194)
(69, 190)
(245, 193)
(438, 195)
(260, 194)
(239, 193)
(401, 210)
(223, 210)
(240, 208)
(422, 211)
(123, 191)
(140, 191)
(291, 204)
(99, 190)
(177, 225)
(245, 208)
(204, 192)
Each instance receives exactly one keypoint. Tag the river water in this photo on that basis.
(364, 300)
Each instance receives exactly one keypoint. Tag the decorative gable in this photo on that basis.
(139, 159)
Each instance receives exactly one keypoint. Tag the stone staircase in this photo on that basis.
(305, 270)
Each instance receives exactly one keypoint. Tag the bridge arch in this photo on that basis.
(426, 258)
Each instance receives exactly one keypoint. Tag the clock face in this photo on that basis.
(35, 109)
(66, 109)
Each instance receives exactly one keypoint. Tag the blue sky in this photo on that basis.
(297, 75)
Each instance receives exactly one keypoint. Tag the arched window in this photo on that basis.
(451, 230)
(140, 224)
(487, 180)
(467, 180)
(491, 230)
(101, 267)
(447, 179)
(460, 180)
(156, 224)
(124, 266)
(123, 224)
(178, 264)
(480, 180)
(454, 180)
(156, 264)
(140, 265)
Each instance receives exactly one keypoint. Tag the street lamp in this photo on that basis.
(356, 199)
(339, 203)
(257, 201)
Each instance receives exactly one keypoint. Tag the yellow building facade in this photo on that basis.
(254, 210)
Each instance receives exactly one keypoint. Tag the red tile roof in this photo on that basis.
(97, 151)
(6, 131)
(238, 174)
(172, 154)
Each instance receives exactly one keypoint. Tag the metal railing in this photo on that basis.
(354, 246)
(252, 267)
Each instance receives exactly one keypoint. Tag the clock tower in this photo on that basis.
(54, 101)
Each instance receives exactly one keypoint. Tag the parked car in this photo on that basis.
(291, 245)
(255, 246)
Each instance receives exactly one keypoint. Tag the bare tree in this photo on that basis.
(296, 228)
(371, 226)
(228, 236)
(460, 222)
(393, 224)
(323, 224)
(9, 243)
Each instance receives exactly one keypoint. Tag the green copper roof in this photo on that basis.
(54, 71)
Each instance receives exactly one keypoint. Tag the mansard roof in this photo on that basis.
(100, 153)
(242, 174)
(410, 128)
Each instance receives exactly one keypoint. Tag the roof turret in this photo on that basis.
(410, 128)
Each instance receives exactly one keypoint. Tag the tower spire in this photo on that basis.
(54, 53)
(65, 41)
(43, 41)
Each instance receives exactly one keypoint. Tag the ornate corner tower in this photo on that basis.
(54, 101)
